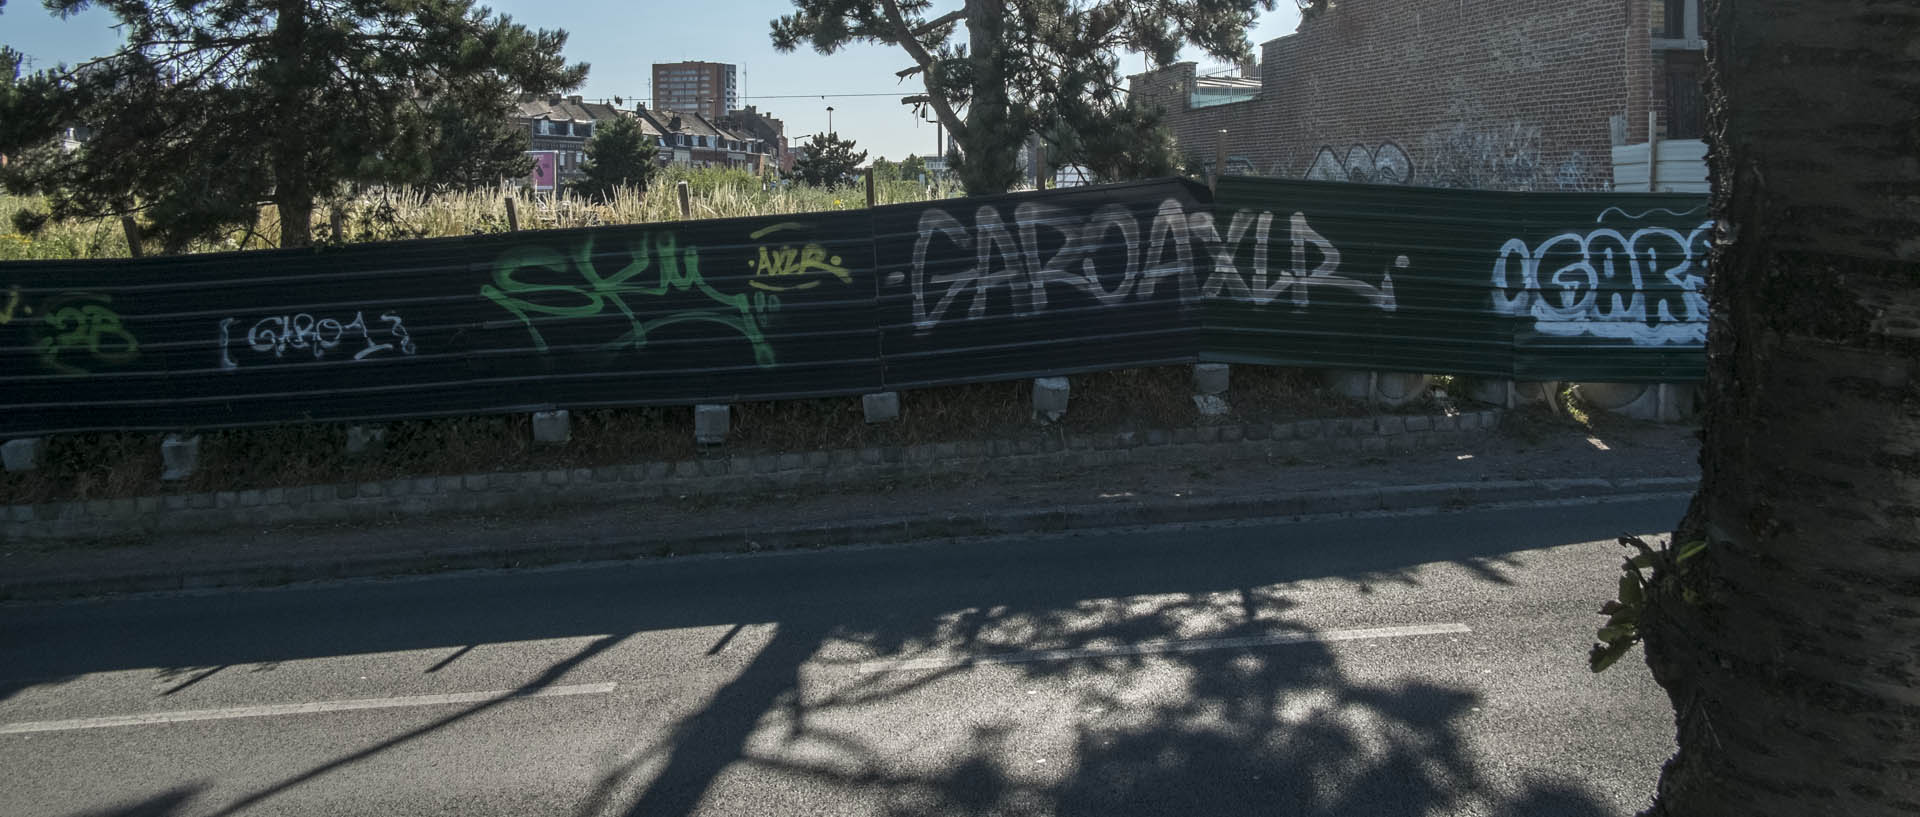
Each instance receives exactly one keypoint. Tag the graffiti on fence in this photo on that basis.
(302, 332)
(1386, 163)
(1298, 280)
(656, 267)
(787, 268)
(1596, 282)
(1010, 255)
(13, 305)
(81, 333)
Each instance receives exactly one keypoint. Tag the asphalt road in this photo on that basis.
(1414, 664)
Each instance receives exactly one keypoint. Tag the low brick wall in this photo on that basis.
(721, 472)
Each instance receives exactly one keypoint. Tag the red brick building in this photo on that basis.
(1497, 94)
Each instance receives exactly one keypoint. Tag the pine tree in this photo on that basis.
(211, 109)
(1029, 66)
(828, 161)
(619, 154)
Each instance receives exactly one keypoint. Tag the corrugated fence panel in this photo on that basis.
(998, 287)
(1598, 287)
(1538, 286)
(661, 314)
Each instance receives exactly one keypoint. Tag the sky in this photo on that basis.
(622, 40)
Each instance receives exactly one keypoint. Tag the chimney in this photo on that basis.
(575, 100)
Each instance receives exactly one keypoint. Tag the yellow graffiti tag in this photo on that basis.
(13, 303)
(789, 262)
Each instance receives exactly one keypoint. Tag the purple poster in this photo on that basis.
(546, 166)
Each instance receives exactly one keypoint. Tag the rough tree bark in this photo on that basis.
(292, 186)
(1795, 673)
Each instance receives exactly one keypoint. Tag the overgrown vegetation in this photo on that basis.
(401, 213)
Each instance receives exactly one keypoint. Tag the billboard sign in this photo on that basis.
(546, 169)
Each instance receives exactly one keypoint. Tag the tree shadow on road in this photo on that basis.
(902, 677)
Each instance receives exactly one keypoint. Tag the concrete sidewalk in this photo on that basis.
(1528, 460)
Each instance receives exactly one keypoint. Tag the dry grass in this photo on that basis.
(104, 466)
(399, 213)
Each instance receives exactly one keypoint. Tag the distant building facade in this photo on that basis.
(563, 125)
(770, 132)
(746, 139)
(710, 89)
(1499, 94)
(690, 138)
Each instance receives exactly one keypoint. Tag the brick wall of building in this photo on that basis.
(1498, 94)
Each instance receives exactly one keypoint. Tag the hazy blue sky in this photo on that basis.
(623, 40)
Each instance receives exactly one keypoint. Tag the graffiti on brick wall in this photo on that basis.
(1385, 163)
(656, 267)
(1179, 249)
(1644, 284)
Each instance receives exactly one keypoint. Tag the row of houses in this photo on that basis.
(745, 138)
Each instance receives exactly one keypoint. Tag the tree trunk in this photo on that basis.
(1795, 673)
(287, 76)
(991, 142)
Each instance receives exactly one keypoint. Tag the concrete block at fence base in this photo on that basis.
(1210, 378)
(1388, 389)
(711, 423)
(881, 407)
(1211, 405)
(179, 456)
(552, 427)
(22, 454)
(1514, 394)
(1653, 402)
(1050, 398)
(365, 440)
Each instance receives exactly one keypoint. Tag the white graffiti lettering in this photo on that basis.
(1560, 284)
(1108, 258)
(303, 333)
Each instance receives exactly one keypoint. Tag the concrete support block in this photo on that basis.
(179, 456)
(1210, 378)
(1211, 405)
(1387, 389)
(711, 422)
(1653, 402)
(1514, 394)
(22, 454)
(552, 427)
(365, 440)
(881, 407)
(1050, 398)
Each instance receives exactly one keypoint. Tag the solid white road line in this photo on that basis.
(1163, 647)
(316, 707)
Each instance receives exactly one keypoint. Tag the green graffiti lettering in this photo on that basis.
(672, 270)
(81, 330)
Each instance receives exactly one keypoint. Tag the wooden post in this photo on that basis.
(513, 215)
(1653, 151)
(1039, 164)
(686, 204)
(1219, 160)
(871, 199)
(133, 235)
(338, 221)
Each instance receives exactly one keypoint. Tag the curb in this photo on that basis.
(1436, 496)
